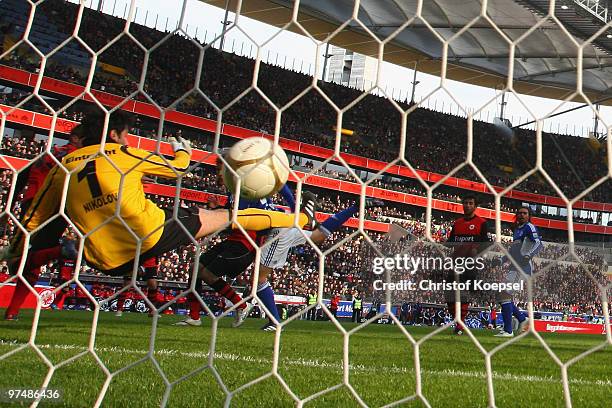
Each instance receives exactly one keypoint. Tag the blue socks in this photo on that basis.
(333, 223)
(507, 310)
(287, 195)
(517, 313)
(266, 295)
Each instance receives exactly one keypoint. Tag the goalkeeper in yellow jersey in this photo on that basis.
(106, 201)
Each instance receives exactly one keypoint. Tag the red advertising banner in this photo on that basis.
(10, 161)
(46, 293)
(47, 297)
(547, 326)
(327, 183)
(185, 194)
(64, 88)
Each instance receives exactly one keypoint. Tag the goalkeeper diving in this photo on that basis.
(106, 201)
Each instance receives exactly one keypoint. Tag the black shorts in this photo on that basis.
(173, 237)
(49, 235)
(148, 273)
(227, 258)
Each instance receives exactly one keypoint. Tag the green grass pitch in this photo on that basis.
(381, 370)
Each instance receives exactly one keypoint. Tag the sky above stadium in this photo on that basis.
(299, 52)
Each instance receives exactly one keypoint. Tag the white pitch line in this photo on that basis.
(320, 364)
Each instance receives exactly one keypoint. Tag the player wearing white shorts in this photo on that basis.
(279, 241)
(526, 244)
(275, 255)
(232, 256)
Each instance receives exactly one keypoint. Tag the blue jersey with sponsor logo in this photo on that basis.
(262, 204)
(243, 203)
(526, 243)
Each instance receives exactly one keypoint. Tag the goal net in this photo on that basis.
(395, 114)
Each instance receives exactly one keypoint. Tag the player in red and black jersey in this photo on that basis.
(32, 178)
(231, 257)
(45, 245)
(66, 270)
(468, 238)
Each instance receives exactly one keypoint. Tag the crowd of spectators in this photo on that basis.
(430, 135)
(174, 266)
(202, 178)
(348, 268)
(436, 143)
(19, 147)
(29, 149)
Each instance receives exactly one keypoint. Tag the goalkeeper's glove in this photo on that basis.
(180, 144)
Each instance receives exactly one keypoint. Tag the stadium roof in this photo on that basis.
(545, 61)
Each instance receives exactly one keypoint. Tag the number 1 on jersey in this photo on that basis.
(89, 172)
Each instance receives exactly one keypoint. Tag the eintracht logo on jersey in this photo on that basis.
(47, 297)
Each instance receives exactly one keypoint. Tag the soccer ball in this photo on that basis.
(262, 167)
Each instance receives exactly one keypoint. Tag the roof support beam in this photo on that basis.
(475, 26)
(519, 56)
(561, 71)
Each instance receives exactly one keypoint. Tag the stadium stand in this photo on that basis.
(439, 140)
(225, 75)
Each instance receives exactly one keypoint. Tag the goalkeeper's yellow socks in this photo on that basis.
(254, 219)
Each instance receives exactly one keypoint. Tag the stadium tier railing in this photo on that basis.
(42, 121)
(72, 90)
(204, 196)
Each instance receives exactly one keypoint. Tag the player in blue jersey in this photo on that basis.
(232, 256)
(235, 254)
(280, 240)
(525, 246)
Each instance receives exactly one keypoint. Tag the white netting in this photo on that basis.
(144, 79)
